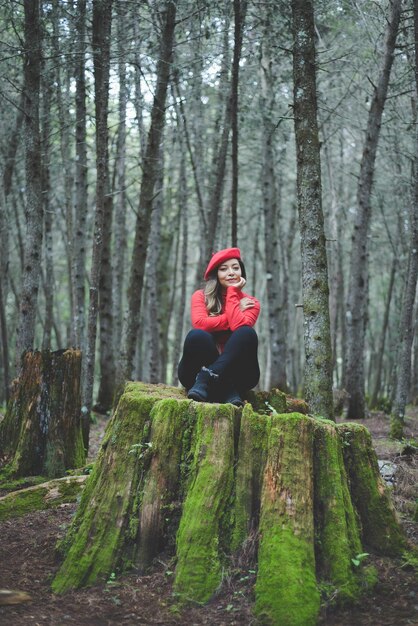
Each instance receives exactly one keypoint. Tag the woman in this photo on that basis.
(219, 361)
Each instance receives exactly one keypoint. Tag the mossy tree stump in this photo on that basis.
(200, 478)
(41, 432)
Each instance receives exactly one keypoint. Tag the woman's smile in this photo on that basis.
(229, 273)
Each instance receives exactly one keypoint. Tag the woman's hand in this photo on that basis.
(246, 303)
(241, 283)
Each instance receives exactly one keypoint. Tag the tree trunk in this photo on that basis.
(318, 364)
(41, 431)
(106, 391)
(12, 143)
(200, 479)
(276, 294)
(149, 174)
(406, 326)
(34, 221)
(102, 19)
(381, 350)
(181, 297)
(80, 212)
(356, 314)
(120, 237)
(47, 82)
(155, 287)
(240, 10)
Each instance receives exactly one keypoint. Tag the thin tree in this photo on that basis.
(80, 196)
(357, 295)
(406, 328)
(34, 216)
(149, 176)
(120, 234)
(318, 364)
(240, 10)
(276, 291)
(102, 19)
(11, 145)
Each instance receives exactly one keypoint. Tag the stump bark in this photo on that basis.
(198, 479)
(41, 431)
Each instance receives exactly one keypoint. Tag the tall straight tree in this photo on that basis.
(240, 10)
(102, 20)
(80, 209)
(318, 357)
(406, 329)
(149, 177)
(357, 296)
(120, 234)
(34, 212)
(11, 144)
(276, 290)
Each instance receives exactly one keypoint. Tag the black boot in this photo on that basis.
(200, 389)
(232, 396)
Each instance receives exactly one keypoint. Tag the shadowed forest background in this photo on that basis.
(140, 137)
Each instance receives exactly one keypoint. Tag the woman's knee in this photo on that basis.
(197, 337)
(246, 333)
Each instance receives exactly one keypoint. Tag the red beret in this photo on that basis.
(221, 257)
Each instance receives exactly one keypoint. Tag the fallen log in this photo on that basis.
(41, 497)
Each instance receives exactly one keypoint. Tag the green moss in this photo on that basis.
(296, 405)
(252, 451)
(266, 401)
(337, 533)
(40, 497)
(286, 590)
(198, 571)
(381, 530)
(170, 418)
(96, 537)
(8, 483)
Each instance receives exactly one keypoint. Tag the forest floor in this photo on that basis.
(28, 563)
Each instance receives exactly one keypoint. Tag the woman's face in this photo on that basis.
(229, 273)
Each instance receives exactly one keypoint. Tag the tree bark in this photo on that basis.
(120, 237)
(276, 293)
(106, 391)
(80, 211)
(381, 349)
(41, 431)
(33, 161)
(240, 10)
(102, 19)
(201, 479)
(318, 364)
(356, 313)
(181, 300)
(47, 82)
(406, 326)
(149, 174)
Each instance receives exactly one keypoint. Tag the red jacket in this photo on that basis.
(230, 318)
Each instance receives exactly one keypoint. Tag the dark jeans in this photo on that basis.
(237, 365)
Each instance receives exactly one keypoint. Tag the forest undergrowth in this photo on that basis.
(28, 563)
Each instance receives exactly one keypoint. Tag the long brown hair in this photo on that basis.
(213, 291)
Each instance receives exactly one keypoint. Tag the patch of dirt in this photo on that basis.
(28, 563)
